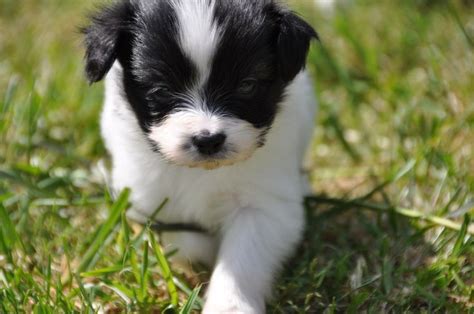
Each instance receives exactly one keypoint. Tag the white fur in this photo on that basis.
(254, 207)
(198, 32)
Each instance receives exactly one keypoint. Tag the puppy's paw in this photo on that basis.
(228, 309)
(231, 304)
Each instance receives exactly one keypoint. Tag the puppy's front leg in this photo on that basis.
(255, 244)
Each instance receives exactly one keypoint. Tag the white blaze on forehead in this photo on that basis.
(198, 33)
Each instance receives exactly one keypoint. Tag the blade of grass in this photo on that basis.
(462, 235)
(7, 228)
(192, 300)
(144, 275)
(183, 287)
(393, 178)
(15, 177)
(333, 121)
(5, 249)
(105, 230)
(124, 293)
(139, 237)
(165, 269)
(86, 297)
(48, 279)
(134, 263)
(103, 271)
(124, 238)
(387, 269)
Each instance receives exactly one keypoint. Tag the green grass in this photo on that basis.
(392, 166)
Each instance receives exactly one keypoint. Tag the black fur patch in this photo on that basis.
(156, 63)
(105, 37)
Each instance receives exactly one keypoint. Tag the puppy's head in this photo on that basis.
(203, 77)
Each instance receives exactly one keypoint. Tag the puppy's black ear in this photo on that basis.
(103, 38)
(293, 44)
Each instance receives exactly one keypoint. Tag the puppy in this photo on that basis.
(208, 104)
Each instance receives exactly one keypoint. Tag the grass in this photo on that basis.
(392, 166)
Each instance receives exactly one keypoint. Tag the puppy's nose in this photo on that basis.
(209, 144)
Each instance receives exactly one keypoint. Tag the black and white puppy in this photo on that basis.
(208, 105)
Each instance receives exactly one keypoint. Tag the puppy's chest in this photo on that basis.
(193, 197)
(210, 209)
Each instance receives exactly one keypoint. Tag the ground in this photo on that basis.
(392, 167)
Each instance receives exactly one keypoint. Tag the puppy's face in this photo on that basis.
(204, 77)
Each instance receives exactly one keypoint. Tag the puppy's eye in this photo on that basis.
(248, 87)
(158, 92)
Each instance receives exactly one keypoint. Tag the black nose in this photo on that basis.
(208, 144)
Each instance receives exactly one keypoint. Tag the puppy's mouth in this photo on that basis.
(211, 164)
(194, 160)
(188, 157)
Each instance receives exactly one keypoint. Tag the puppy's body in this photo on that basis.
(227, 93)
(255, 206)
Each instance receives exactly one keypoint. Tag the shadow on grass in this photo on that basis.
(355, 260)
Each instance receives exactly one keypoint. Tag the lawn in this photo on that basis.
(392, 165)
